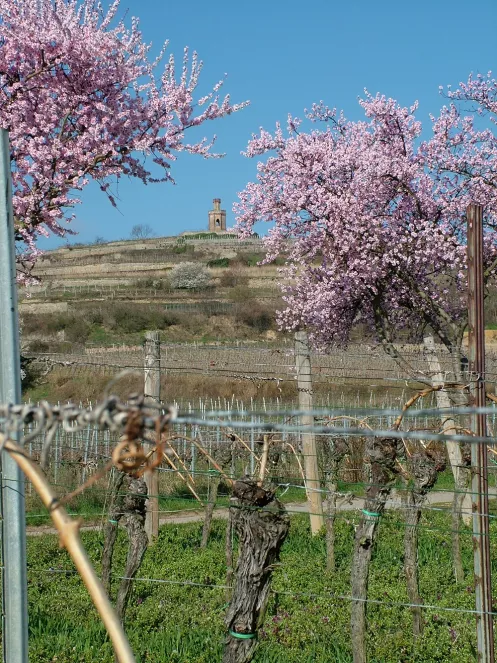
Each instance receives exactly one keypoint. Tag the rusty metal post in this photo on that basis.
(479, 454)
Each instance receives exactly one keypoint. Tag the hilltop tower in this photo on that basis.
(217, 218)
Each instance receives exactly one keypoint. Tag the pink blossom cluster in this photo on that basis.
(82, 101)
(373, 217)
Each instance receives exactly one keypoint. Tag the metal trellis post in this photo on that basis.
(479, 455)
(14, 583)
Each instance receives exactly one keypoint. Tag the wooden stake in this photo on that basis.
(152, 398)
(304, 382)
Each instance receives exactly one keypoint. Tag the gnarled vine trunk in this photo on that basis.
(380, 460)
(262, 525)
(110, 528)
(458, 457)
(128, 504)
(423, 467)
(332, 451)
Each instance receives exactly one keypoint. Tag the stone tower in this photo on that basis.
(217, 218)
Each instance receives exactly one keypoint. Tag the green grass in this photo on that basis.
(307, 618)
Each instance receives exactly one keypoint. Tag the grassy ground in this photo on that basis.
(308, 614)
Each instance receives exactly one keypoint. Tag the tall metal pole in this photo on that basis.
(152, 398)
(479, 456)
(14, 583)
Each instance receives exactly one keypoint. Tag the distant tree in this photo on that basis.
(142, 231)
(99, 240)
(82, 101)
(189, 276)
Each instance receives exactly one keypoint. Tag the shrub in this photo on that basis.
(38, 346)
(253, 259)
(240, 293)
(193, 323)
(31, 323)
(144, 284)
(233, 277)
(129, 319)
(255, 315)
(189, 276)
(219, 262)
(94, 316)
(132, 318)
(249, 259)
(77, 330)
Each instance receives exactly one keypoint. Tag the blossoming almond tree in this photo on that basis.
(377, 218)
(82, 101)
(377, 222)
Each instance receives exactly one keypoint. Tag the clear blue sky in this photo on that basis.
(283, 55)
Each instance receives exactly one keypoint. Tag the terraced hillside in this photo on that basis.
(110, 293)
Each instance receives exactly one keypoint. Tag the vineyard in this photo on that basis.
(179, 593)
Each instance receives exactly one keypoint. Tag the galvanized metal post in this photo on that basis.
(152, 397)
(14, 584)
(479, 455)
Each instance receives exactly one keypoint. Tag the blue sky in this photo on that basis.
(283, 55)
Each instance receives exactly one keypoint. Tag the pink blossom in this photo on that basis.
(373, 218)
(82, 101)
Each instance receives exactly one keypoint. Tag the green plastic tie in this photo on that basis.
(113, 522)
(371, 514)
(242, 636)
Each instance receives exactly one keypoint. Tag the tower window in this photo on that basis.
(218, 223)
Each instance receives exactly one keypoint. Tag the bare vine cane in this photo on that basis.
(223, 456)
(69, 538)
(128, 503)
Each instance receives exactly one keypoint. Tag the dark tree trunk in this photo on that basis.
(229, 557)
(380, 458)
(423, 467)
(457, 503)
(412, 516)
(262, 525)
(332, 451)
(110, 529)
(134, 520)
(128, 505)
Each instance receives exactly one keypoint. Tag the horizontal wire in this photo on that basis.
(352, 431)
(296, 595)
(269, 375)
(325, 411)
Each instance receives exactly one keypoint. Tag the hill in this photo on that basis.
(106, 294)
